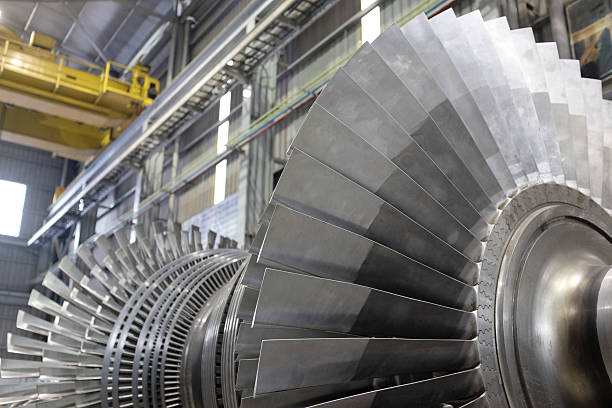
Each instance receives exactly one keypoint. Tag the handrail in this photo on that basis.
(52, 67)
(54, 56)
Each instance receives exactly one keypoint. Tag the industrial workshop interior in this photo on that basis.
(306, 203)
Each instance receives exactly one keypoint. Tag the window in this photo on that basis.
(11, 207)
(222, 139)
(370, 23)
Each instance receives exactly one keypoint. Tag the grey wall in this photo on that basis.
(20, 265)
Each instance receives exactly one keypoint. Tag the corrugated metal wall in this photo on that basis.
(19, 265)
(227, 11)
(296, 75)
(108, 218)
(200, 194)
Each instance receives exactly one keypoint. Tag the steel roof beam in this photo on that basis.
(30, 17)
(77, 23)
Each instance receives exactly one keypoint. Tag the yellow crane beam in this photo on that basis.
(64, 137)
(77, 105)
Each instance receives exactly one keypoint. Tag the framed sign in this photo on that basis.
(590, 27)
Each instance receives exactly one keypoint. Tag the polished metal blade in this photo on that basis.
(377, 172)
(348, 102)
(312, 188)
(427, 393)
(577, 121)
(247, 372)
(447, 28)
(435, 58)
(391, 93)
(288, 299)
(298, 363)
(475, 33)
(555, 84)
(249, 338)
(12, 392)
(525, 131)
(607, 148)
(324, 250)
(531, 64)
(304, 396)
(12, 368)
(592, 91)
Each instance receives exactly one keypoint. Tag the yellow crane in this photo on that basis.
(57, 103)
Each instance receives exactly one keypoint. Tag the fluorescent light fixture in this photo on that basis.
(220, 177)
(370, 23)
(11, 207)
(246, 92)
(225, 104)
(222, 140)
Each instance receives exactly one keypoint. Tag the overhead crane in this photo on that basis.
(57, 103)
(184, 101)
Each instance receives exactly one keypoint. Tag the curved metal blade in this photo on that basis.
(288, 299)
(298, 363)
(331, 252)
(421, 394)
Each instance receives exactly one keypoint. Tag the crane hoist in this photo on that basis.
(60, 104)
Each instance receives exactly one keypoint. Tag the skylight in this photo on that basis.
(222, 139)
(12, 198)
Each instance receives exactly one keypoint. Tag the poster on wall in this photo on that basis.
(590, 27)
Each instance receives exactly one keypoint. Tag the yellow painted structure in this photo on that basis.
(57, 103)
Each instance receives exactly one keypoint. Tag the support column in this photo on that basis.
(152, 182)
(243, 177)
(259, 155)
(172, 211)
(558, 25)
(510, 9)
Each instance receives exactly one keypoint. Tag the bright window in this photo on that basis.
(370, 23)
(222, 139)
(11, 207)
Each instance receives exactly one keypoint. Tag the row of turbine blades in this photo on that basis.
(144, 357)
(362, 290)
(70, 325)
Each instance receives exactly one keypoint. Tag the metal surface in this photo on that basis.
(553, 267)
(603, 320)
(367, 284)
(544, 260)
(299, 363)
